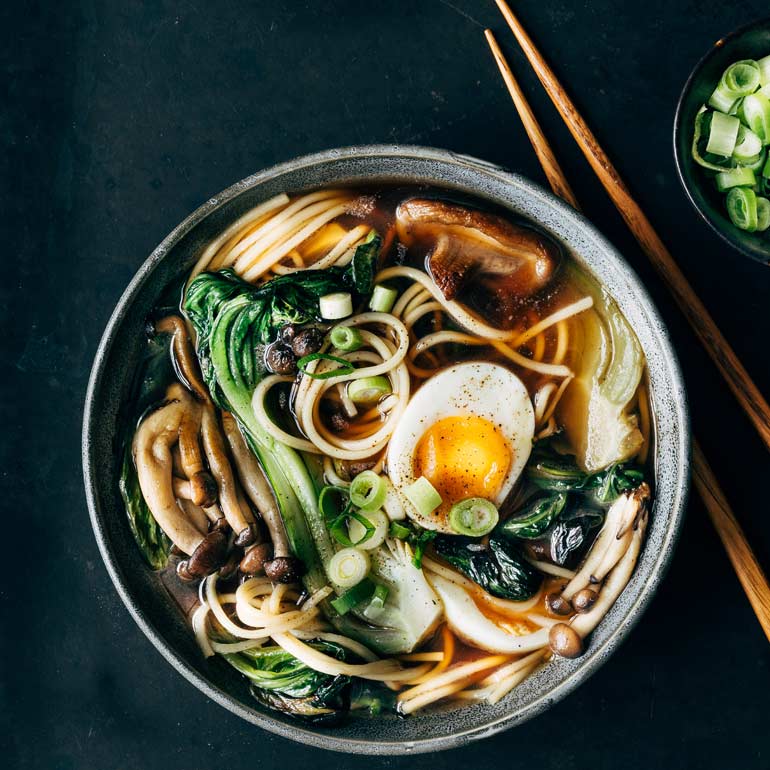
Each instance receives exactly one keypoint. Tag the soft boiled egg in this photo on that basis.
(468, 430)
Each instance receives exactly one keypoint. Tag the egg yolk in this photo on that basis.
(463, 456)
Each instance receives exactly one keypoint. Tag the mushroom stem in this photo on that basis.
(184, 357)
(216, 454)
(616, 581)
(605, 549)
(284, 566)
(195, 514)
(152, 444)
(203, 490)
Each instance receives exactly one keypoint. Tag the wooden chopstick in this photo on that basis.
(742, 557)
(540, 145)
(734, 373)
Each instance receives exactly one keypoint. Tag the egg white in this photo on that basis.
(474, 388)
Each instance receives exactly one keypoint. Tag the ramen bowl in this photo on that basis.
(120, 350)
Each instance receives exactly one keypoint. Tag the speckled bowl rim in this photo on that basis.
(671, 419)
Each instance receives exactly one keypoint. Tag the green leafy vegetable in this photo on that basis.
(535, 517)
(497, 567)
(231, 318)
(364, 261)
(560, 473)
(338, 511)
(148, 390)
(559, 525)
(417, 537)
(150, 538)
(284, 683)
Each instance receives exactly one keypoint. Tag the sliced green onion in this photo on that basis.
(348, 567)
(377, 602)
(764, 70)
(743, 77)
(399, 531)
(367, 390)
(699, 154)
(755, 113)
(735, 177)
(723, 134)
(423, 496)
(756, 163)
(473, 517)
(367, 491)
(766, 169)
(332, 501)
(763, 214)
(345, 366)
(765, 90)
(355, 596)
(348, 338)
(742, 208)
(723, 99)
(747, 145)
(368, 530)
(337, 305)
(383, 298)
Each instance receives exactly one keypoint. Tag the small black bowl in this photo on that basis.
(749, 42)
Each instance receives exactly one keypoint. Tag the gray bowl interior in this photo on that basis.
(140, 589)
(750, 42)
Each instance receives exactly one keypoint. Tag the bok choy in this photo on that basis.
(233, 319)
(595, 408)
(284, 683)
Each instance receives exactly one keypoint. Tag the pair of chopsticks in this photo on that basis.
(743, 559)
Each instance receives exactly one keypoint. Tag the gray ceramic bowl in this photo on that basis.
(120, 347)
(749, 42)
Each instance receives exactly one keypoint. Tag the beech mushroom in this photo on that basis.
(565, 641)
(240, 520)
(200, 422)
(585, 599)
(184, 357)
(557, 604)
(283, 567)
(506, 262)
(152, 444)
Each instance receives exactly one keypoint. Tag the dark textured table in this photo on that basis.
(118, 119)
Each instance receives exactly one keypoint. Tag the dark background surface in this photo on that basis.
(119, 119)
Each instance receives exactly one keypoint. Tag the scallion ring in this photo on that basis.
(346, 338)
(368, 491)
(383, 298)
(763, 214)
(755, 113)
(348, 567)
(735, 177)
(368, 530)
(423, 496)
(747, 145)
(742, 77)
(473, 517)
(723, 133)
(742, 208)
(368, 390)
